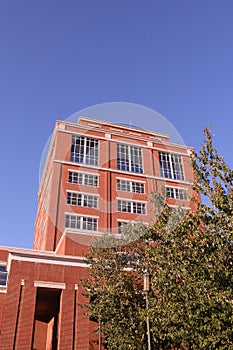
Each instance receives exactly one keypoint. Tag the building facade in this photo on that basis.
(98, 176)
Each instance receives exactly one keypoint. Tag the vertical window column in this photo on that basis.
(171, 166)
(129, 158)
(3, 275)
(84, 150)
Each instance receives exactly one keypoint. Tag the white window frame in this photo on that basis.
(131, 205)
(128, 158)
(169, 171)
(129, 185)
(83, 176)
(84, 157)
(176, 193)
(133, 223)
(83, 221)
(3, 275)
(178, 206)
(85, 198)
(126, 222)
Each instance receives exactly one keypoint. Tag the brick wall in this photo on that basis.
(19, 307)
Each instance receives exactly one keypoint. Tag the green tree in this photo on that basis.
(114, 286)
(189, 258)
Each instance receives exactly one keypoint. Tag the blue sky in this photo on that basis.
(59, 57)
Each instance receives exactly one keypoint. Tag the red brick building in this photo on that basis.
(98, 176)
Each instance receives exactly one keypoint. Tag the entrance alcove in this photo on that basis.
(46, 320)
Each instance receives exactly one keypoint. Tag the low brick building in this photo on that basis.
(41, 306)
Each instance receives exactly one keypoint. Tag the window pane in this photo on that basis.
(82, 179)
(136, 159)
(171, 166)
(177, 167)
(177, 193)
(79, 222)
(121, 226)
(129, 158)
(79, 200)
(130, 186)
(3, 275)
(84, 150)
(131, 207)
(82, 200)
(165, 169)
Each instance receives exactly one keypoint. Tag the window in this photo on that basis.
(121, 226)
(125, 206)
(3, 275)
(84, 150)
(83, 179)
(171, 166)
(177, 193)
(130, 186)
(81, 222)
(129, 158)
(83, 200)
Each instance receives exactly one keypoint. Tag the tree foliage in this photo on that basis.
(189, 258)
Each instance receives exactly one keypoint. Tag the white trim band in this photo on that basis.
(46, 284)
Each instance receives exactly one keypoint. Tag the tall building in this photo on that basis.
(98, 176)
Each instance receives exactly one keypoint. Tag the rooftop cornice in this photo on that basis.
(111, 124)
(135, 137)
(122, 126)
(39, 254)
